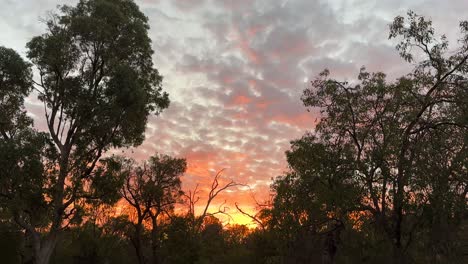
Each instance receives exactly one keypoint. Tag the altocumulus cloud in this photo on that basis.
(235, 70)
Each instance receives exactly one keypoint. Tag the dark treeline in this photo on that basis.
(382, 178)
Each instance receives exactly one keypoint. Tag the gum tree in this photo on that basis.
(152, 190)
(98, 85)
(394, 152)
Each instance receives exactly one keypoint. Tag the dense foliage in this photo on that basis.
(386, 166)
(98, 85)
(382, 178)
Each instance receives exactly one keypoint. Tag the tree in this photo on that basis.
(180, 246)
(22, 149)
(192, 198)
(212, 243)
(91, 243)
(98, 86)
(389, 151)
(15, 84)
(152, 189)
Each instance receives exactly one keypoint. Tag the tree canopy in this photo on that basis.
(98, 85)
(390, 153)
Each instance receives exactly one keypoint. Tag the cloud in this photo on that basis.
(187, 5)
(235, 71)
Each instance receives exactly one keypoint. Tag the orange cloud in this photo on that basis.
(241, 100)
(262, 105)
(304, 120)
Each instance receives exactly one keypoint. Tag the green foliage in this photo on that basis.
(97, 74)
(386, 164)
(15, 84)
(98, 86)
(24, 153)
(108, 179)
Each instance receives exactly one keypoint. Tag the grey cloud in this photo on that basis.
(235, 70)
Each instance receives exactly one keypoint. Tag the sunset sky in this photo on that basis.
(235, 70)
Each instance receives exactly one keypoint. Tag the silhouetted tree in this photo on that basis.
(192, 198)
(393, 152)
(98, 86)
(24, 152)
(151, 190)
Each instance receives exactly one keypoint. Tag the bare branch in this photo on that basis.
(253, 217)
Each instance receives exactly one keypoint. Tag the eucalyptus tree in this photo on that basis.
(152, 190)
(15, 85)
(98, 85)
(20, 146)
(393, 152)
(24, 152)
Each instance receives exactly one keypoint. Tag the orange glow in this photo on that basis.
(262, 105)
(240, 100)
(305, 120)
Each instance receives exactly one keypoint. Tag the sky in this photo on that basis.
(235, 71)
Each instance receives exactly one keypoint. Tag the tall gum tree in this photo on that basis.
(98, 86)
(394, 151)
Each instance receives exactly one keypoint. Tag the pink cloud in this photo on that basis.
(250, 53)
(303, 121)
(241, 100)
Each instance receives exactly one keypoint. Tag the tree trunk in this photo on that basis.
(398, 200)
(155, 240)
(43, 248)
(331, 244)
(398, 254)
(329, 249)
(138, 243)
